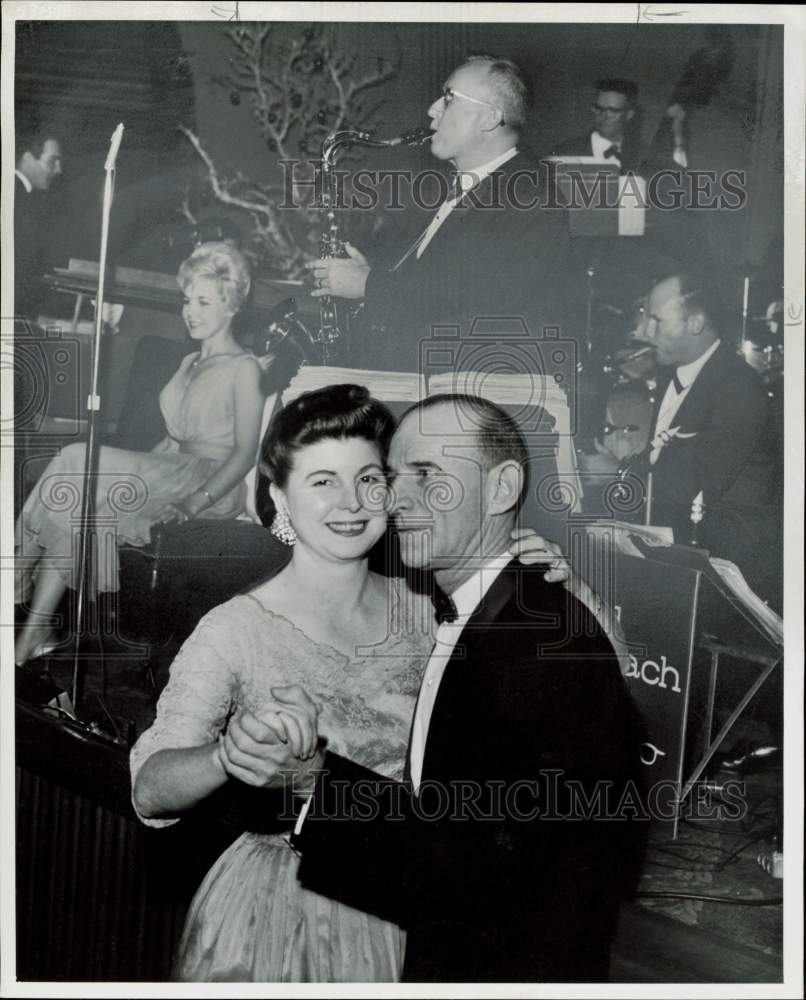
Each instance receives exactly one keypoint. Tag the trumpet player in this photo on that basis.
(492, 249)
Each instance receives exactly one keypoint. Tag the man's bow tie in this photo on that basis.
(444, 606)
(612, 151)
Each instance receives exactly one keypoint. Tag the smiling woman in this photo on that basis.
(334, 494)
(355, 641)
(212, 409)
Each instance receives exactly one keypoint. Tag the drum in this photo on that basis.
(628, 419)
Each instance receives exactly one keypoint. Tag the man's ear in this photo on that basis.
(630, 115)
(492, 119)
(504, 483)
(695, 323)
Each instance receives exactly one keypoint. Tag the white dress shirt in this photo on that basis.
(598, 146)
(673, 400)
(466, 598)
(467, 179)
(25, 182)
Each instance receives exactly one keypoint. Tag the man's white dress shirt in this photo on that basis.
(598, 146)
(25, 182)
(673, 400)
(466, 598)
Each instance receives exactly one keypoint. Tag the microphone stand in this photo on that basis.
(93, 407)
(745, 300)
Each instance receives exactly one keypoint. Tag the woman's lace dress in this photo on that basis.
(251, 921)
(134, 488)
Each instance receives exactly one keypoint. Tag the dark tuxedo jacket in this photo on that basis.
(500, 253)
(486, 871)
(732, 457)
(30, 244)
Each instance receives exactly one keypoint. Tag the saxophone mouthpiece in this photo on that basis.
(416, 137)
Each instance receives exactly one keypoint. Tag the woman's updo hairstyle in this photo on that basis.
(338, 411)
(225, 265)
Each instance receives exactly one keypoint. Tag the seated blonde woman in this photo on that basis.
(212, 408)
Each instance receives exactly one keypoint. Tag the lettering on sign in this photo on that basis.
(653, 673)
(650, 753)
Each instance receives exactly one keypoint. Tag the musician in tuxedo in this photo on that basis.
(506, 854)
(711, 435)
(492, 248)
(615, 138)
(38, 163)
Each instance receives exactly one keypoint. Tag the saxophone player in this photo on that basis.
(492, 249)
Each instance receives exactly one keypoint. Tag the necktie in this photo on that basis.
(678, 385)
(455, 188)
(612, 151)
(444, 606)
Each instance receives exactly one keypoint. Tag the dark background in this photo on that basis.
(87, 76)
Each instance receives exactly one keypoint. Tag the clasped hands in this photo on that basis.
(344, 277)
(281, 743)
(275, 746)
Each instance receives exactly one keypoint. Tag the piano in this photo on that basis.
(133, 286)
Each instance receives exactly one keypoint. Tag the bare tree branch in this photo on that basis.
(301, 85)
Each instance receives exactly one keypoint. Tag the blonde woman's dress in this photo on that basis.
(134, 488)
(251, 921)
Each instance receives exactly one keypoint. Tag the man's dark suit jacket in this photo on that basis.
(732, 458)
(489, 878)
(29, 250)
(675, 235)
(498, 254)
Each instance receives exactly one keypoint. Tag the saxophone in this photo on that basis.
(334, 317)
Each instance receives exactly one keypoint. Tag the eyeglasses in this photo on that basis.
(602, 109)
(449, 93)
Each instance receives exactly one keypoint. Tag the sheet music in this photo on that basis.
(761, 613)
(622, 533)
(397, 387)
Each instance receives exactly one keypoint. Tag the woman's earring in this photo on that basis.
(283, 529)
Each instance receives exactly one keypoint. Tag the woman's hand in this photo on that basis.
(184, 510)
(531, 548)
(251, 752)
(298, 715)
(266, 752)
